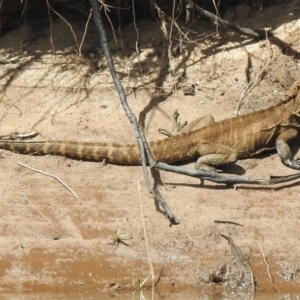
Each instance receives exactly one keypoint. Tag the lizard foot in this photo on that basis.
(176, 128)
(286, 156)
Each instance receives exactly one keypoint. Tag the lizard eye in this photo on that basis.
(294, 119)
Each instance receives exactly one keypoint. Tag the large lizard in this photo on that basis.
(213, 145)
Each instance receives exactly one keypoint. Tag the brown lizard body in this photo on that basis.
(215, 144)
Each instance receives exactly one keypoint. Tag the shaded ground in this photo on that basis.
(52, 241)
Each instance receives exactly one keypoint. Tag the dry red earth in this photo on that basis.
(53, 241)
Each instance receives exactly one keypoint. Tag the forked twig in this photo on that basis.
(50, 175)
(64, 20)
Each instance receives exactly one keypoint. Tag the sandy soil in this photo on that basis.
(52, 241)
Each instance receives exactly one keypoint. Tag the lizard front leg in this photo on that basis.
(284, 150)
(178, 128)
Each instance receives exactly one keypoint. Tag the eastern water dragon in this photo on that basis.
(213, 145)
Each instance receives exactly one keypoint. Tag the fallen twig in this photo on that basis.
(50, 175)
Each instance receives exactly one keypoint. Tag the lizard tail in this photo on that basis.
(111, 152)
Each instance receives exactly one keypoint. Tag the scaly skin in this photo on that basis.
(216, 144)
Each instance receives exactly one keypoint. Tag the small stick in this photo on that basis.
(228, 222)
(47, 174)
(38, 210)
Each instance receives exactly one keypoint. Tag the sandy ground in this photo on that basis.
(52, 241)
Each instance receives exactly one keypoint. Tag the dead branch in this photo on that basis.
(141, 140)
(226, 179)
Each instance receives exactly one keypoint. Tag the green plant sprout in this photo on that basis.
(119, 237)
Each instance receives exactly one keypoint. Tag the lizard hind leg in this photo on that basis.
(222, 155)
(284, 150)
(286, 156)
(179, 127)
